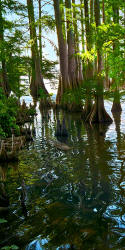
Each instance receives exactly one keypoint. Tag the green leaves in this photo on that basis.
(47, 22)
(2, 221)
(13, 247)
(8, 112)
(88, 55)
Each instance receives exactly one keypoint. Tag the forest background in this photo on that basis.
(85, 42)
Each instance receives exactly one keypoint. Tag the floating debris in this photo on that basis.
(62, 146)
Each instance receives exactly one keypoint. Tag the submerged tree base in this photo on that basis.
(116, 107)
(98, 115)
(69, 99)
(86, 111)
(45, 104)
(70, 107)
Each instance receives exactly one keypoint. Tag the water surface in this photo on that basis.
(72, 199)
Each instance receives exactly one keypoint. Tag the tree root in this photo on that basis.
(98, 115)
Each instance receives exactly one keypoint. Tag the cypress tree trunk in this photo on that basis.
(63, 52)
(40, 33)
(89, 65)
(4, 79)
(103, 11)
(88, 29)
(82, 35)
(116, 107)
(82, 26)
(91, 11)
(68, 79)
(98, 113)
(71, 46)
(76, 37)
(37, 82)
(107, 80)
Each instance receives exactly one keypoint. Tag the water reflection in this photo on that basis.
(71, 199)
(4, 199)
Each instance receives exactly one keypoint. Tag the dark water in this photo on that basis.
(72, 199)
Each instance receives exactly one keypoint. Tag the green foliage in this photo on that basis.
(78, 95)
(72, 96)
(105, 38)
(2, 221)
(47, 22)
(88, 55)
(48, 68)
(110, 94)
(42, 94)
(13, 247)
(8, 112)
(31, 111)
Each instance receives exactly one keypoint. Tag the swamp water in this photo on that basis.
(73, 199)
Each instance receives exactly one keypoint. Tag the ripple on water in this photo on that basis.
(74, 198)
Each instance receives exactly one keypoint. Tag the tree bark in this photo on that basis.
(116, 107)
(103, 11)
(71, 46)
(98, 113)
(91, 11)
(4, 78)
(89, 66)
(82, 26)
(77, 50)
(40, 33)
(87, 25)
(37, 82)
(63, 51)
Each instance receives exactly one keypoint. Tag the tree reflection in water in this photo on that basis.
(75, 198)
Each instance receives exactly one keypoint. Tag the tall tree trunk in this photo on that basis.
(87, 25)
(91, 11)
(4, 78)
(77, 50)
(98, 113)
(37, 82)
(63, 52)
(103, 11)
(89, 65)
(82, 26)
(71, 46)
(107, 80)
(116, 107)
(124, 37)
(40, 33)
(82, 35)
(89, 68)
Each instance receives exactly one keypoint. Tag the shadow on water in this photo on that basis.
(71, 199)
